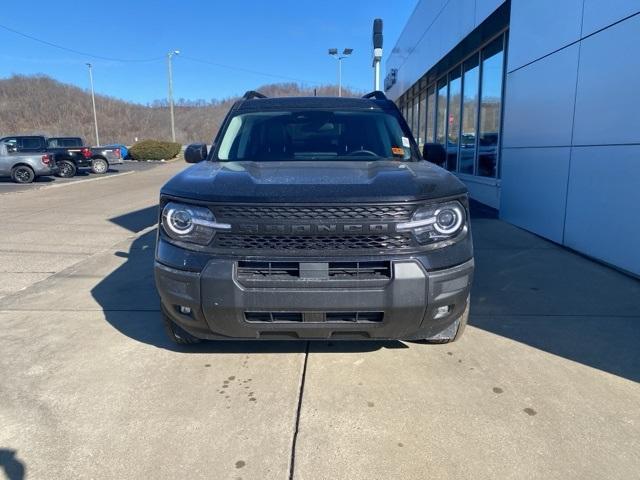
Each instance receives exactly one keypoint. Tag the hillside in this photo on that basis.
(42, 105)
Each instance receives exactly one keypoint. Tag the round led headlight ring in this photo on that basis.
(180, 221)
(448, 220)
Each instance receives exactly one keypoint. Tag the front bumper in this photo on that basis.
(403, 307)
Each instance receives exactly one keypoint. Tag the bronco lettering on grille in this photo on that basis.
(311, 228)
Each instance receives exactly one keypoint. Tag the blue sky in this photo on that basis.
(280, 37)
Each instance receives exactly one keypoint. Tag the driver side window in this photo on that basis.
(11, 144)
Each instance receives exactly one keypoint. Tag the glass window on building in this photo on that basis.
(422, 134)
(431, 115)
(470, 87)
(409, 115)
(453, 119)
(441, 111)
(490, 108)
(415, 118)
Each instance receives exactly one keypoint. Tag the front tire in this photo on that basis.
(176, 333)
(99, 166)
(67, 169)
(22, 174)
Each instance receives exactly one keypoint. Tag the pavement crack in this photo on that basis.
(298, 410)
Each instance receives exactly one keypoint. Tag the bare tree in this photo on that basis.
(40, 104)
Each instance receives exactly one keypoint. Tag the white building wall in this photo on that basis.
(435, 27)
(571, 143)
(570, 159)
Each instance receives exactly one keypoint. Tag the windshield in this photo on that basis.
(314, 135)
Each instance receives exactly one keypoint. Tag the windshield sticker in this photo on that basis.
(405, 142)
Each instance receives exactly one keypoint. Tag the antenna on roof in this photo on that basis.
(253, 94)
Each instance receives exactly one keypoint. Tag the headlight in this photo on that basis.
(190, 223)
(435, 223)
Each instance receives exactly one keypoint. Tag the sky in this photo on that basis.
(265, 41)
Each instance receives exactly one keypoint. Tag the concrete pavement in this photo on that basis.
(47, 230)
(544, 384)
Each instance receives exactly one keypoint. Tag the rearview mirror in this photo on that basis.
(434, 153)
(196, 152)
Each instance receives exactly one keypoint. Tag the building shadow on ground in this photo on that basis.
(13, 467)
(543, 295)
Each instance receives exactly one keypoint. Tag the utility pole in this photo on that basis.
(173, 125)
(93, 101)
(345, 53)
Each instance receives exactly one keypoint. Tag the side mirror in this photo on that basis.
(196, 152)
(434, 153)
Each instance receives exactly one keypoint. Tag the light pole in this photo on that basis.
(377, 52)
(93, 101)
(345, 53)
(173, 125)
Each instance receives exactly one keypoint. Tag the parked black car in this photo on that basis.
(68, 153)
(313, 218)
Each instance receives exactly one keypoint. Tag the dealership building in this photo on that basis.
(537, 106)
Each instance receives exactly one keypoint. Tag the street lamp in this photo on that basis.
(173, 126)
(340, 56)
(93, 101)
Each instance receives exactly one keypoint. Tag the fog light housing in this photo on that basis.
(441, 312)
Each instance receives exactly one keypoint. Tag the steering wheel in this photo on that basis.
(360, 152)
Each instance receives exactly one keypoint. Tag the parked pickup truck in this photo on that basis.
(98, 158)
(313, 218)
(68, 153)
(25, 167)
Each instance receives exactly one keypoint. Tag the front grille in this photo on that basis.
(314, 317)
(359, 270)
(271, 270)
(354, 317)
(342, 212)
(366, 270)
(312, 242)
(273, 317)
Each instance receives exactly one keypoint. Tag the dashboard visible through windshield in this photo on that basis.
(314, 135)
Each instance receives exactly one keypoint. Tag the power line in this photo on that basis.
(78, 52)
(247, 70)
(155, 59)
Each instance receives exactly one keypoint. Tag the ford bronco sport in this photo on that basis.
(313, 218)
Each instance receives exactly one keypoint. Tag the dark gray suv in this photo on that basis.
(313, 218)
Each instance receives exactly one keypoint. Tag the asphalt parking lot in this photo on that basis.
(544, 383)
(7, 186)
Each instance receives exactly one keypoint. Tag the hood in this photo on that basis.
(313, 182)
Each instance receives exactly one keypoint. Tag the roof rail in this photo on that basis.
(252, 94)
(377, 94)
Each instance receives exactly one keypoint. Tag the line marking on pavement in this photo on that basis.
(60, 185)
(298, 410)
(29, 187)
